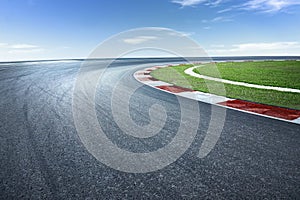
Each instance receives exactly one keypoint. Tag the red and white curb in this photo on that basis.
(273, 112)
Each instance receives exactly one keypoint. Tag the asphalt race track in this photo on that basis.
(42, 155)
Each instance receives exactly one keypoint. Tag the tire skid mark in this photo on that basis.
(42, 161)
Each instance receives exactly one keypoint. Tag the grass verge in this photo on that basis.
(281, 76)
(272, 73)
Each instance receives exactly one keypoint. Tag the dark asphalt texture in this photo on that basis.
(42, 156)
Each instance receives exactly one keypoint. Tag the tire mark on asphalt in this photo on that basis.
(42, 161)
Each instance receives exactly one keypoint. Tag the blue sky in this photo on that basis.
(47, 29)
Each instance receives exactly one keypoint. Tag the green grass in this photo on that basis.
(272, 73)
(281, 76)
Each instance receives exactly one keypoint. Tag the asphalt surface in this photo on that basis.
(43, 156)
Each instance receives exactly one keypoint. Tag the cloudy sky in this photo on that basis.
(50, 29)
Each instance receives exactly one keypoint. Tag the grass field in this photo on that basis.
(272, 73)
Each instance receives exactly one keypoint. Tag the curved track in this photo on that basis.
(42, 155)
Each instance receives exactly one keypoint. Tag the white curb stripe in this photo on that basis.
(297, 121)
(156, 83)
(143, 76)
(204, 97)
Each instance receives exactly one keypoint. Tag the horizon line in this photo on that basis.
(158, 57)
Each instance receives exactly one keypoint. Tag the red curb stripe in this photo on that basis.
(174, 89)
(273, 111)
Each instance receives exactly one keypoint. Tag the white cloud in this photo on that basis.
(19, 48)
(274, 48)
(214, 3)
(270, 6)
(217, 19)
(3, 45)
(139, 39)
(224, 10)
(267, 6)
(266, 46)
(185, 3)
(181, 34)
(25, 51)
(23, 46)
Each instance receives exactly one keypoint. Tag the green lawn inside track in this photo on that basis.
(272, 73)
